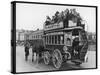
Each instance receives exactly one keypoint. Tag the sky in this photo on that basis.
(33, 16)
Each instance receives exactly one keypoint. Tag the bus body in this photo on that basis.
(59, 41)
(63, 39)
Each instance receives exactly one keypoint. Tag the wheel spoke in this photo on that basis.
(46, 57)
(57, 58)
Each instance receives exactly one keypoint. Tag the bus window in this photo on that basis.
(55, 39)
(38, 36)
(61, 39)
(68, 41)
(45, 39)
(49, 39)
(75, 33)
(52, 39)
(58, 39)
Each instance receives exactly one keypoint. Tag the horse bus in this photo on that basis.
(63, 38)
(63, 44)
(58, 44)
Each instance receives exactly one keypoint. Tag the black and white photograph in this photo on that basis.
(55, 37)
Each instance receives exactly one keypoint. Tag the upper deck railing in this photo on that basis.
(71, 25)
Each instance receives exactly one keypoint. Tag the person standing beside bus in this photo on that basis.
(26, 51)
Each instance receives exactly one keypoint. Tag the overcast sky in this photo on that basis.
(32, 16)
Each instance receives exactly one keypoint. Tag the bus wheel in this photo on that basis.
(57, 58)
(46, 57)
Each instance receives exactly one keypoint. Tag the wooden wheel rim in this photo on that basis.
(57, 59)
(46, 57)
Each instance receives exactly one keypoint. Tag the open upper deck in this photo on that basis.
(60, 27)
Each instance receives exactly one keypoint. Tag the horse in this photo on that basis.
(37, 49)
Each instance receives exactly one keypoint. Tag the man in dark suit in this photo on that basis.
(26, 51)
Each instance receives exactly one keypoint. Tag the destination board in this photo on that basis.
(53, 26)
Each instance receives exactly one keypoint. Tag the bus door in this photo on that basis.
(84, 43)
(68, 39)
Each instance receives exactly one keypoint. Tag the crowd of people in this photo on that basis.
(64, 16)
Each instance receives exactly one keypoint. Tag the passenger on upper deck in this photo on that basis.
(79, 19)
(48, 20)
(66, 13)
(66, 18)
(56, 17)
(71, 14)
(52, 21)
(60, 17)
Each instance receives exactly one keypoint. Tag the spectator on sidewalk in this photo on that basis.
(26, 51)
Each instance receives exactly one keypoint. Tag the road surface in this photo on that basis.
(29, 66)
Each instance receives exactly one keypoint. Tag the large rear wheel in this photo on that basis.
(57, 58)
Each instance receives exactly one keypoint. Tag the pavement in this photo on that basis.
(29, 66)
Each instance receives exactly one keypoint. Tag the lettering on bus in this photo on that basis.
(53, 26)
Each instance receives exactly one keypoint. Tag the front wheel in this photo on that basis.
(57, 58)
(46, 57)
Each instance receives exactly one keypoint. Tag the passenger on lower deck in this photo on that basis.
(75, 46)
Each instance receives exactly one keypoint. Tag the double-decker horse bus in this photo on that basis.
(65, 40)
(65, 43)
